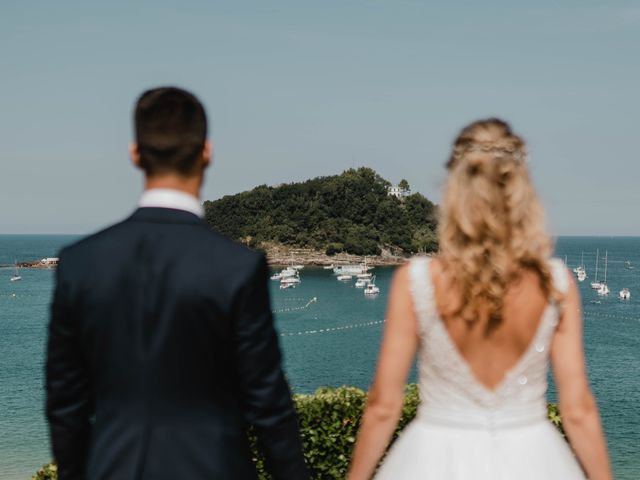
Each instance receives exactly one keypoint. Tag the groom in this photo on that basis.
(162, 349)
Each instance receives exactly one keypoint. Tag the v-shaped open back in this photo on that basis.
(439, 319)
(446, 378)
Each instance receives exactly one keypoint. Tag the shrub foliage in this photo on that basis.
(329, 421)
(350, 212)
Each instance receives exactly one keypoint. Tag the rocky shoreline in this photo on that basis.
(31, 264)
(283, 255)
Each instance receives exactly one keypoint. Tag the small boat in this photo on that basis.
(580, 271)
(292, 280)
(627, 265)
(328, 267)
(596, 284)
(16, 277)
(288, 272)
(625, 294)
(604, 289)
(365, 275)
(362, 282)
(284, 286)
(371, 289)
(344, 277)
(297, 267)
(352, 269)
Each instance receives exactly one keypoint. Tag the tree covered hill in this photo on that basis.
(351, 212)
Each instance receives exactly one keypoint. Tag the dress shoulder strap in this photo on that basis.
(560, 275)
(421, 291)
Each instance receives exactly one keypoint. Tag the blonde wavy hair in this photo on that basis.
(492, 222)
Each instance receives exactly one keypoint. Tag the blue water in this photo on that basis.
(314, 356)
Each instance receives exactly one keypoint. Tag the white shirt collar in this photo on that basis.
(170, 198)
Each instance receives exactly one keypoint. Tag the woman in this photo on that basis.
(484, 317)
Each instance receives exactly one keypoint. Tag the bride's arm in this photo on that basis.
(386, 396)
(578, 408)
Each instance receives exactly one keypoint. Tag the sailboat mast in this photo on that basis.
(606, 257)
(597, 254)
(582, 259)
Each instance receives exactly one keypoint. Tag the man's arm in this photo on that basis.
(68, 403)
(267, 399)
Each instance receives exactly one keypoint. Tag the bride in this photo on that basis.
(485, 316)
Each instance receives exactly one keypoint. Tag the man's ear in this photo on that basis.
(207, 154)
(134, 153)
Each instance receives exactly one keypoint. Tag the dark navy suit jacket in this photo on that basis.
(161, 352)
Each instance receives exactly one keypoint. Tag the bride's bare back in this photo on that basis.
(491, 352)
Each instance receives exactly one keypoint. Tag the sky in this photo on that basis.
(299, 89)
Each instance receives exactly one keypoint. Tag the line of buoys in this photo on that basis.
(15, 295)
(296, 309)
(332, 329)
(609, 316)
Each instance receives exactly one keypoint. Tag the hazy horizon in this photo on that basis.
(298, 90)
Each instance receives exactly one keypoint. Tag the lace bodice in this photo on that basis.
(449, 391)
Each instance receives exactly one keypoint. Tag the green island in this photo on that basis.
(355, 213)
(329, 421)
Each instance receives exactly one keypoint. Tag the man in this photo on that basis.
(161, 344)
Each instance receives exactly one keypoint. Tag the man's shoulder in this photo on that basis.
(209, 247)
(235, 252)
(86, 244)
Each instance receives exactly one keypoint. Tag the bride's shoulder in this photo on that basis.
(560, 274)
(412, 271)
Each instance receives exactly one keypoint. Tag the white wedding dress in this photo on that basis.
(463, 430)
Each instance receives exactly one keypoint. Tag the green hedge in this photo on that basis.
(329, 421)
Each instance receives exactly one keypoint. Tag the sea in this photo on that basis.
(330, 334)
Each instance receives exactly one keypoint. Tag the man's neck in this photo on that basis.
(190, 185)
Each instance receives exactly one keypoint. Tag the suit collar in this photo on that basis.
(165, 215)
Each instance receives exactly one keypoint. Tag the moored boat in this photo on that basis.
(16, 277)
(371, 288)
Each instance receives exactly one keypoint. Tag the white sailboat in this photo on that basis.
(580, 270)
(371, 289)
(625, 294)
(604, 289)
(289, 282)
(596, 284)
(16, 277)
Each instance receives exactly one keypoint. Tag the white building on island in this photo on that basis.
(398, 192)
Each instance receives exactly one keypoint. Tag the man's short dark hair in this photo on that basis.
(171, 129)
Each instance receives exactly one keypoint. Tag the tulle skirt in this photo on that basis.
(430, 451)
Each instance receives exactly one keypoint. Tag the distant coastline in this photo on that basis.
(39, 264)
(279, 255)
